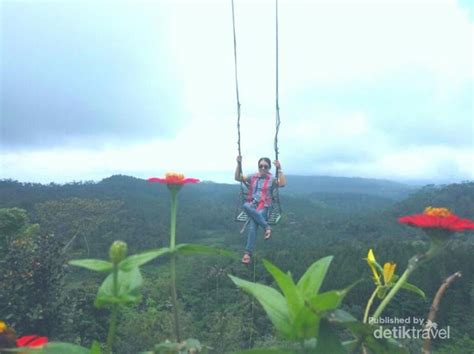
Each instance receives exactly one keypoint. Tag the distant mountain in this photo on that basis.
(343, 185)
(334, 194)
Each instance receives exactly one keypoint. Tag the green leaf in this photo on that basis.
(326, 301)
(329, 300)
(385, 346)
(95, 349)
(128, 285)
(366, 331)
(93, 264)
(311, 281)
(345, 319)
(61, 348)
(187, 248)
(415, 289)
(139, 259)
(328, 341)
(272, 302)
(305, 325)
(292, 294)
(275, 350)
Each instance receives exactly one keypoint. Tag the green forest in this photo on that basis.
(44, 227)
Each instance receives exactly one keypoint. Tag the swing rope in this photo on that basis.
(275, 213)
(242, 191)
(236, 84)
(276, 194)
(277, 104)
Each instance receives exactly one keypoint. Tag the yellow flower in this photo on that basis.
(372, 264)
(388, 272)
(3, 326)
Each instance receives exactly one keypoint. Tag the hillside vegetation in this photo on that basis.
(322, 216)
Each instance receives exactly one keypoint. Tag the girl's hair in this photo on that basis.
(267, 160)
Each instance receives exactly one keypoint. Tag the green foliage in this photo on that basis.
(123, 290)
(32, 274)
(80, 222)
(190, 345)
(298, 312)
(93, 264)
(138, 260)
(121, 287)
(122, 284)
(323, 219)
(185, 248)
(414, 289)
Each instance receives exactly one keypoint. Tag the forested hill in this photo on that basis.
(354, 185)
(322, 216)
(324, 188)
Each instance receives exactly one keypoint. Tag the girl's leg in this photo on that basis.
(258, 216)
(251, 236)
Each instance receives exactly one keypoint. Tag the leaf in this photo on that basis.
(187, 248)
(311, 281)
(328, 341)
(292, 294)
(139, 259)
(367, 332)
(277, 350)
(272, 302)
(61, 348)
(95, 349)
(415, 289)
(97, 265)
(385, 346)
(128, 285)
(330, 300)
(305, 325)
(326, 301)
(345, 319)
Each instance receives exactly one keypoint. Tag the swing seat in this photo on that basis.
(273, 218)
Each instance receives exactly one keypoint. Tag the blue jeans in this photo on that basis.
(256, 219)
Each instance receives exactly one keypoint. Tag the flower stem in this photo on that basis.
(114, 315)
(413, 263)
(174, 297)
(369, 304)
(174, 208)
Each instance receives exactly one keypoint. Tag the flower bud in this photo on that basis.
(118, 251)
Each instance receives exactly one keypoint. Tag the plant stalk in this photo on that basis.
(174, 298)
(114, 314)
(413, 263)
(369, 304)
(174, 208)
(174, 295)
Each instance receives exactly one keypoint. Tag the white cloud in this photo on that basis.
(367, 88)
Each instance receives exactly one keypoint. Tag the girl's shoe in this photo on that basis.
(246, 258)
(268, 234)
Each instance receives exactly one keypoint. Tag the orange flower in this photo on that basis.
(173, 178)
(438, 218)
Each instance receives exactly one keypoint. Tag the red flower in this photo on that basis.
(438, 218)
(173, 178)
(32, 341)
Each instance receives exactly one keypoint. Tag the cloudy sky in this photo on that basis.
(379, 89)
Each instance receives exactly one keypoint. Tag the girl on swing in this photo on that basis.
(259, 199)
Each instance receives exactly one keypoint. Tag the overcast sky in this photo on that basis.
(378, 89)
